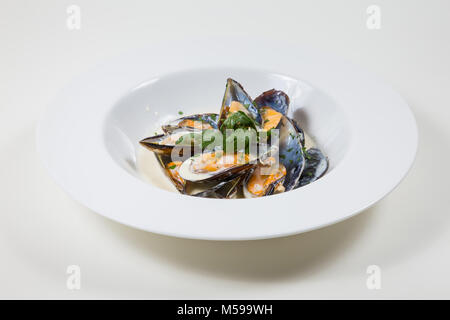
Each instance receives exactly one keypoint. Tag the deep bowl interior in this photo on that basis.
(140, 112)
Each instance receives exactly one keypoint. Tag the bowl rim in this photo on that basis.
(72, 146)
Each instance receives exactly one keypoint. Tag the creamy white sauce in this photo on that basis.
(309, 142)
(151, 171)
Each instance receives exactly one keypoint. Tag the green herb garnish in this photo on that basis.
(172, 167)
(189, 139)
(238, 120)
(307, 156)
(179, 140)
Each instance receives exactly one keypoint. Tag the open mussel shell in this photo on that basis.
(214, 189)
(291, 141)
(275, 99)
(258, 184)
(235, 92)
(201, 121)
(229, 166)
(316, 164)
(291, 152)
(163, 144)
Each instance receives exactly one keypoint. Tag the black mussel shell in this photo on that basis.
(315, 167)
(235, 92)
(275, 99)
(208, 118)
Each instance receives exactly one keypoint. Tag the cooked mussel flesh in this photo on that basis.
(215, 165)
(265, 179)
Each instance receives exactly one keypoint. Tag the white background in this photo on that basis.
(42, 230)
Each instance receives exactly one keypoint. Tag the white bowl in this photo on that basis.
(88, 138)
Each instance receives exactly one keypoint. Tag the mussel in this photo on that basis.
(316, 164)
(291, 152)
(224, 189)
(202, 121)
(215, 166)
(275, 99)
(184, 138)
(266, 178)
(236, 99)
(291, 142)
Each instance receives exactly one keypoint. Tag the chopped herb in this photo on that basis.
(172, 167)
(180, 113)
(238, 120)
(289, 150)
(290, 161)
(179, 140)
(309, 173)
(267, 120)
(282, 156)
(269, 134)
(307, 156)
